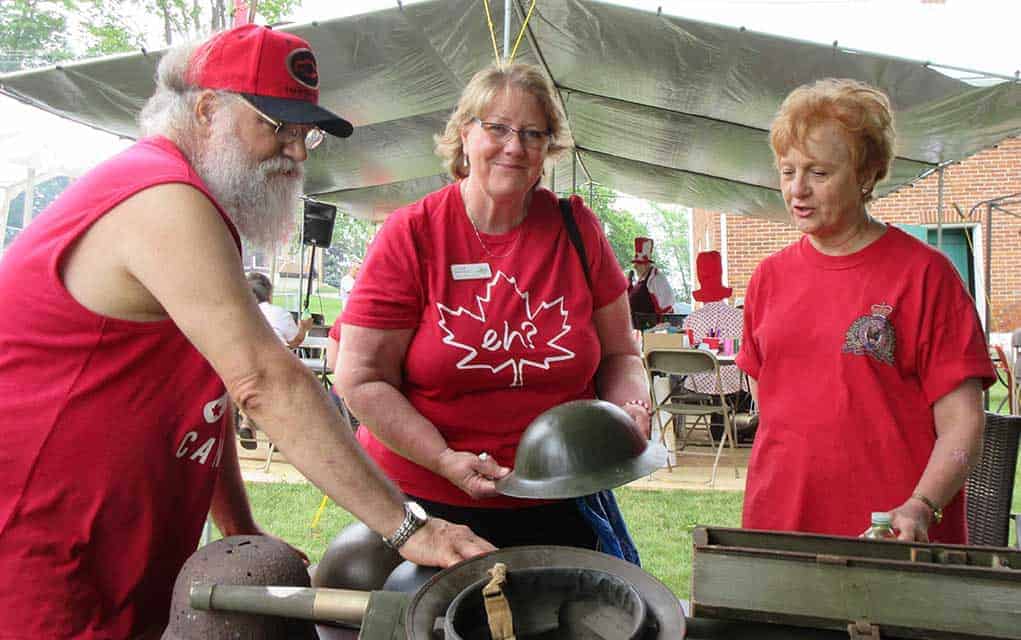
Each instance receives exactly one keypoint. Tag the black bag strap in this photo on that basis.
(575, 235)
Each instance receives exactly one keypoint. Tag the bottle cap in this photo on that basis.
(880, 517)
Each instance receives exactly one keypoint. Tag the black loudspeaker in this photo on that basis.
(317, 230)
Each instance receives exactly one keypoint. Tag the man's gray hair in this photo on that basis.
(169, 112)
(261, 285)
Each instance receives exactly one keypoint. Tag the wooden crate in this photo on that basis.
(900, 589)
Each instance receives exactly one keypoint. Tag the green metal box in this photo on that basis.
(865, 587)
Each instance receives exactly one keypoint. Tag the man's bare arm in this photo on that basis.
(171, 242)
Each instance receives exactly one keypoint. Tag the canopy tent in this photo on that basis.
(660, 107)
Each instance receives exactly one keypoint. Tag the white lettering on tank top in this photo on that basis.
(508, 342)
(212, 412)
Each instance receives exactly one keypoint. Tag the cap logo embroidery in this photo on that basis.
(301, 64)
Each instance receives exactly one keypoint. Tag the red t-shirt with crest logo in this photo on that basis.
(495, 349)
(850, 354)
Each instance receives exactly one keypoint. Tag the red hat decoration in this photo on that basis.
(709, 266)
(643, 250)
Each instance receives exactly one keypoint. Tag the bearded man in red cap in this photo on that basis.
(129, 328)
(650, 293)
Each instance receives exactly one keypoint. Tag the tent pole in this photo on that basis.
(939, 211)
(506, 28)
(989, 263)
(574, 172)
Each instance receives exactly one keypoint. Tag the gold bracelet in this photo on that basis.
(937, 512)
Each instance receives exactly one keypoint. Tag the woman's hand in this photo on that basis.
(641, 417)
(911, 520)
(476, 475)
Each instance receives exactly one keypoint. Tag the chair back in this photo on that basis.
(681, 361)
(990, 486)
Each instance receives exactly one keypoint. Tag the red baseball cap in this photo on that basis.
(273, 70)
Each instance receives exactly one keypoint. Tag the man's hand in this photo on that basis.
(911, 520)
(476, 475)
(306, 323)
(440, 544)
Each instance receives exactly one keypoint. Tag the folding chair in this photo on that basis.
(991, 483)
(684, 404)
(312, 352)
(1005, 376)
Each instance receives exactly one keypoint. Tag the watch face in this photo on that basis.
(417, 511)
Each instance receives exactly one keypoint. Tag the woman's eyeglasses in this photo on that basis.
(290, 133)
(501, 133)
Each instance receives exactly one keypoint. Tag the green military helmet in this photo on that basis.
(238, 560)
(579, 448)
(357, 558)
(569, 603)
(553, 592)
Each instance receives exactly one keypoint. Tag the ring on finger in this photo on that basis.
(483, 456)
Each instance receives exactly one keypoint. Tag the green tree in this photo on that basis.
(671, 222)
(33, 33)
(351, 237)
(620, 226)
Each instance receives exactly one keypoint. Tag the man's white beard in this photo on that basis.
(260, 198)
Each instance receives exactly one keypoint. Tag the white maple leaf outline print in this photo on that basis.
(517, 364)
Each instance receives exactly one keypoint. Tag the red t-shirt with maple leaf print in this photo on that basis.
(492, 351)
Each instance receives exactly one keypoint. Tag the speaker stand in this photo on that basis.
(311, 271)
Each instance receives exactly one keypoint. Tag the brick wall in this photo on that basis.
(992, 173)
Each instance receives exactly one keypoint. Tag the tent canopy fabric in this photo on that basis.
(659, 107)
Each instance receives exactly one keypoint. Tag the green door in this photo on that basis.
(956, 246)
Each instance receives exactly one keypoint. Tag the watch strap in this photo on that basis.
(409, 526)
(937, 512)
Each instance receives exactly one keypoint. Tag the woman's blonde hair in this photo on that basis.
(480, 91)
(863, 112)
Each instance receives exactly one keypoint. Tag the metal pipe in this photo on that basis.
(939, 211)
(989, 265)
(574, 171)
(321, 605)
(506, 28)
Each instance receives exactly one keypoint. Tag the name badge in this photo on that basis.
(470, 271)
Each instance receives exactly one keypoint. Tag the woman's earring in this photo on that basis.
(465, 156)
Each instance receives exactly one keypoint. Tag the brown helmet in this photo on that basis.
(239, 560)
(578, 448)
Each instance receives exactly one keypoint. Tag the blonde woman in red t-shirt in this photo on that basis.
(473, 315)
(860, 342)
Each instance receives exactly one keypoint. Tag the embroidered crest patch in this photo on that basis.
(873, 335)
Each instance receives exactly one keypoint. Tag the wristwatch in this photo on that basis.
(415, 518)
(937, 511)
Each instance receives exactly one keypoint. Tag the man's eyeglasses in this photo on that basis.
(501, 133)
(290, 133)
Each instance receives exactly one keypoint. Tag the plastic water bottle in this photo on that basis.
(880, 529)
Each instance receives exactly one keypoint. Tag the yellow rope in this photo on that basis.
(492, 31)
(319, 513)
(521, 32)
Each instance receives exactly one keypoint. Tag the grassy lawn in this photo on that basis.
(329, 306)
